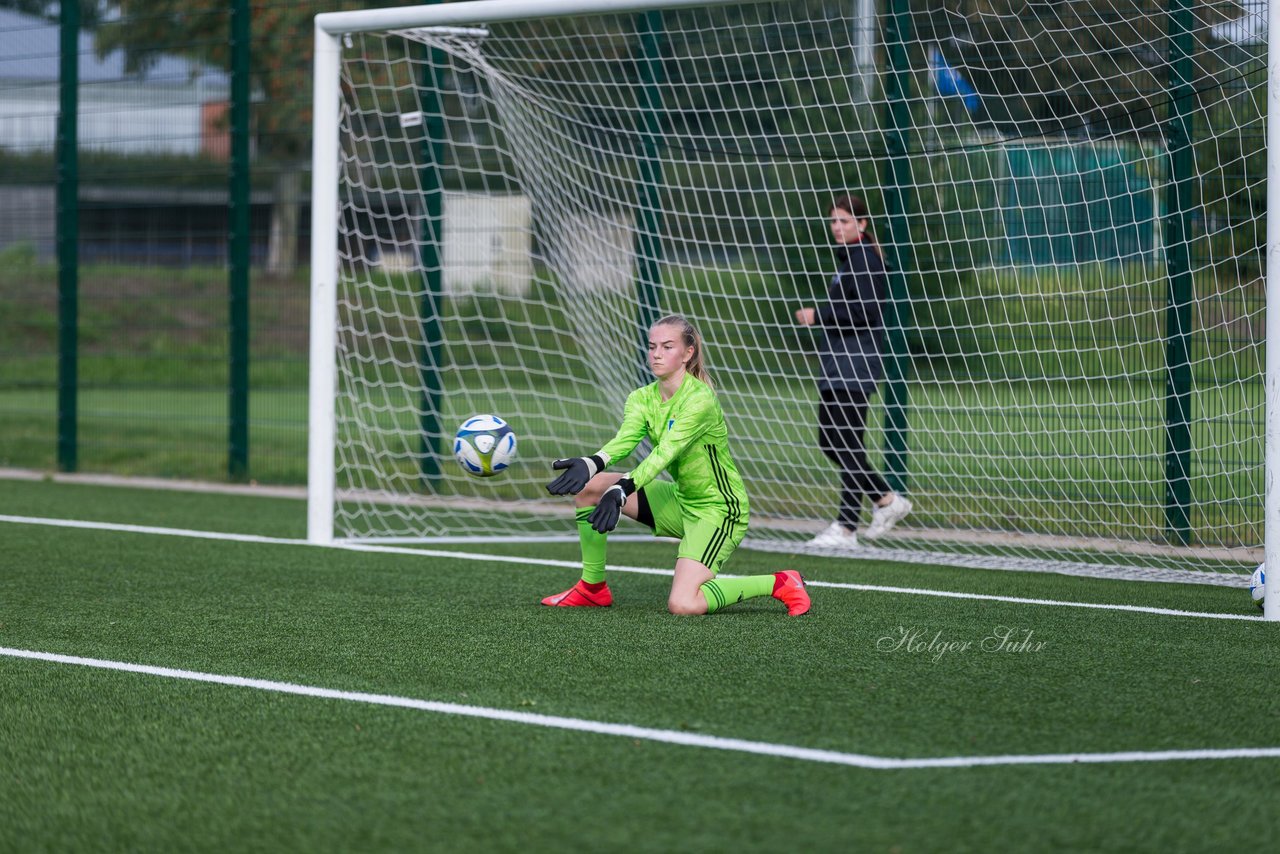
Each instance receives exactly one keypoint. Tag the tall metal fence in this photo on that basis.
(154, 214)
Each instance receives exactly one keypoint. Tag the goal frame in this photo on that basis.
(329, 30)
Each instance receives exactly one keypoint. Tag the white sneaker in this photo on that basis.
(836, 536)
(884, 518)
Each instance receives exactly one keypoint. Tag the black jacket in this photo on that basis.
(852, 322)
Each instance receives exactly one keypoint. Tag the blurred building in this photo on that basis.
(174, 106)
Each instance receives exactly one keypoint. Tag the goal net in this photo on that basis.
(1069, 198)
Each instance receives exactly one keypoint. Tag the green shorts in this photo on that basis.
(707, 539)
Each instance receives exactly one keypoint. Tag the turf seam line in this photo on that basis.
(643, 570)
(684, 739)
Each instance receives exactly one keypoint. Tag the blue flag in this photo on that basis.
(949, 81)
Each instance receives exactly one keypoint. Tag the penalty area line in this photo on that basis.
(570, 564)
(683, 739)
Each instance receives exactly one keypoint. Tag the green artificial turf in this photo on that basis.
(93, 759)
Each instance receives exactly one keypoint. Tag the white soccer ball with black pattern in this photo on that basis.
(1258, 584)
(484, 445)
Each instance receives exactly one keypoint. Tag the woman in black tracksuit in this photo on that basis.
(853, 327)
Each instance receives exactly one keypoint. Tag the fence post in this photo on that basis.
(648, 239)
(238, 248)
(898, 245)
(68, 236)
(431, 256)
(1177, 236)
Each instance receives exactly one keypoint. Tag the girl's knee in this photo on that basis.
(686, 607)
(590, 494)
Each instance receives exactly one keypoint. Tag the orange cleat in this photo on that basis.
(578, 596)
(789, 590)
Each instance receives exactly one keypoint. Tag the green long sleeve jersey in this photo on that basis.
(690, 441)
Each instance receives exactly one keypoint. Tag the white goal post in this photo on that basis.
(1081, 288)
(1271, 451)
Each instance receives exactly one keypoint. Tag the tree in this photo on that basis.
(91, 11)
(281, 78)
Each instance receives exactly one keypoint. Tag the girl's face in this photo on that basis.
(845, 228)
(667, 351)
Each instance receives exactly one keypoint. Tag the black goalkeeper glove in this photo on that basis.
(579, 470)
(609, 508)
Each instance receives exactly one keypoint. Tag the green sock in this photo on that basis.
(594, 546)
(723, 592)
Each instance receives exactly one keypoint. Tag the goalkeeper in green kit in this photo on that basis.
(706, 505)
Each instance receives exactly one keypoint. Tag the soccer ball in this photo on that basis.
(1258, 584)
(484, 445)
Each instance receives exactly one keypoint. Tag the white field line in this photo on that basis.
(977, 561)
(569, 564)
(686, 739)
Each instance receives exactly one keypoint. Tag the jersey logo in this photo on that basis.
(671, 424)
